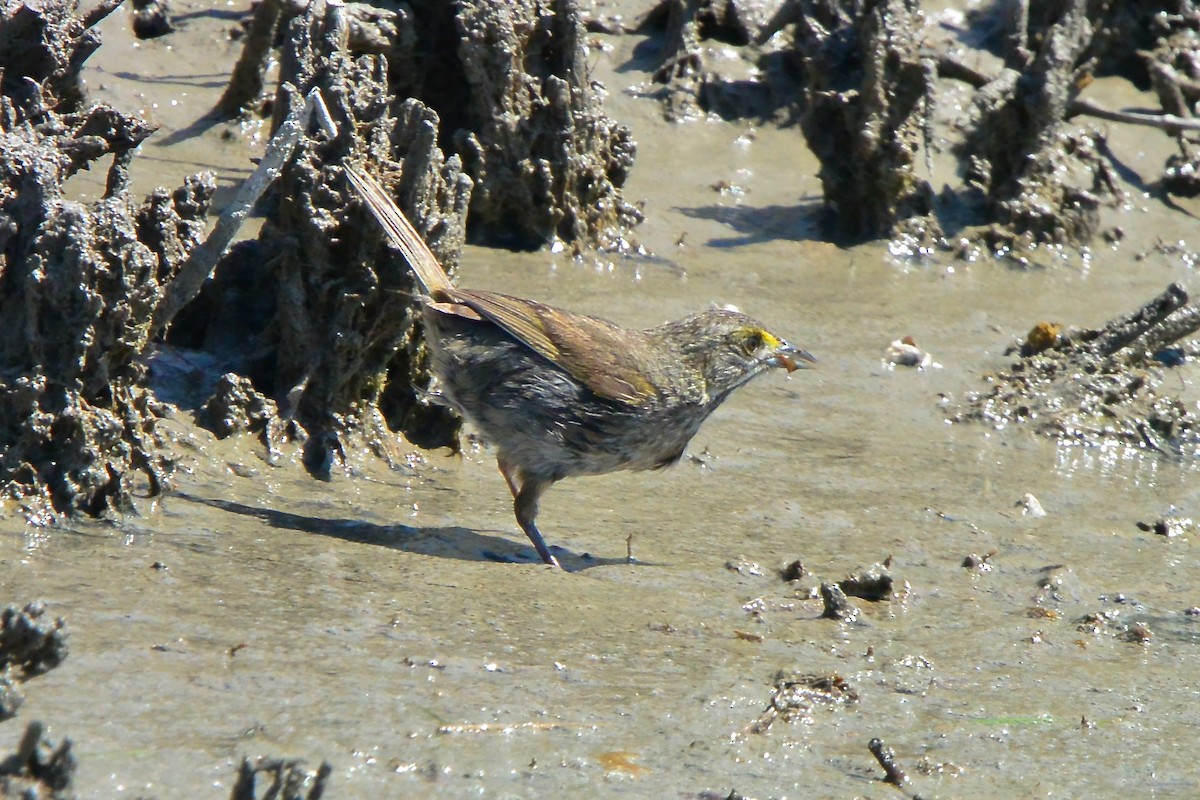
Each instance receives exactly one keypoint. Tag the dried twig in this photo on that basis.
(1123, 331)
(886, 757)
(200, 263)
(1165, 122)
(950, 67)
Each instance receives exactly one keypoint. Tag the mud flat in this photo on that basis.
(266, 581)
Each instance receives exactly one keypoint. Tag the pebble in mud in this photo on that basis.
(905, 353)
(979, 563)
(836, 605)
(151, 19)
(1030, 506)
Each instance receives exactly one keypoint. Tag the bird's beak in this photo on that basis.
(791, 358)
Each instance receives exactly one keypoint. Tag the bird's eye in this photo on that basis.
(752, 342)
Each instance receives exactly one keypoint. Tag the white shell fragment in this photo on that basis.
(905, 353)
(1031, 506)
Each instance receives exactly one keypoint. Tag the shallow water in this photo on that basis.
(367, 622)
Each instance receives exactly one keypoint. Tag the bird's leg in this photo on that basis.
(526, 494)
(510, 475)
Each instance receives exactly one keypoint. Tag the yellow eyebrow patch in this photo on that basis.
(770, 339)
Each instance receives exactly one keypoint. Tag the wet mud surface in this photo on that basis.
(395, 624)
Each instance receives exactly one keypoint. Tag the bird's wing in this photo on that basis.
(593, 351)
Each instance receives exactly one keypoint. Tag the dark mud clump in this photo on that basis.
(31, 641)
(835, 604)
(280, 778)
(81, 281)
(1100, 386)
(39, 768)
(151, 19)
(508, 90)
(235, 407)
(30, 644)
(873, 583)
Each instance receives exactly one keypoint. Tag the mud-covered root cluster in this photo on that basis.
(339, 348)
(876, 86)
(1043, 180)
(866, 106)
(511, 97)
(81, 280)
(1100, 386)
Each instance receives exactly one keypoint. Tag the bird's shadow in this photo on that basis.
(452, 542)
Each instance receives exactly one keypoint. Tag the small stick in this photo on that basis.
(1170, 123)
(200, 263)
(1123, 331)
(952, 68)
(886, 757)
(1178, 325)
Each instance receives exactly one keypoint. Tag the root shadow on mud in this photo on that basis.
(755, 224)
(462, 544)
